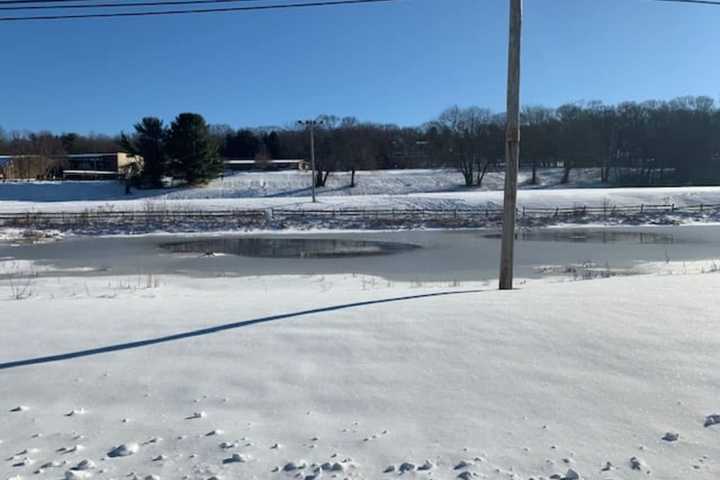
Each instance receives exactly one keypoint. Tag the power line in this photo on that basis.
(119, 4)
(189, 11)
(14, 2)
(701, 2)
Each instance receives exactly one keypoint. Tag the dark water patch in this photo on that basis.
(289, 247)
(592, 236)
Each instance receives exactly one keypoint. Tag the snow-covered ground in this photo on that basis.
(556, 376)
(376, 189)
(531, 198)
(287, 184)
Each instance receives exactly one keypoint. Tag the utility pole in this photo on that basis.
(310, 124)
(512, 146)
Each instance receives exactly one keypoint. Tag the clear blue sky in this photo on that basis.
(402, 62)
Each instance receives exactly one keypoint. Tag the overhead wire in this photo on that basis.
(60, 6)
(329, 3)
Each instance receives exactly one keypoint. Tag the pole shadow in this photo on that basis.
(216, 329)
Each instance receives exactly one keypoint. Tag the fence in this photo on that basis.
(575, 211)
(249, 217)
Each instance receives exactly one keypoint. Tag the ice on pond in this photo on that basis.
(309, 247)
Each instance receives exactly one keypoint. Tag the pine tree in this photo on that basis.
(149, 143)
(194, 154)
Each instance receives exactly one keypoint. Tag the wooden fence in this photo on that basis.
(255, 216)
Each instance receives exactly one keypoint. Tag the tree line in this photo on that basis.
(632, 143)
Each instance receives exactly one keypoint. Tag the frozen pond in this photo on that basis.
(592, 236)
(414, 255)
(284, 247)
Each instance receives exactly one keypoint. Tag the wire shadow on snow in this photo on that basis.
(219, 328)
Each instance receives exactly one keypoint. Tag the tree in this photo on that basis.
(468, 138)
(194, 155)
(538, 148)
(149, 143)
(243, 144)
(272, 145)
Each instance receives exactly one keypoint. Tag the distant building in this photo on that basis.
(99, 166)
(84, 166)
(266, 165)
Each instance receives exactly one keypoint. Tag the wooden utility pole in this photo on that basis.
(512, 146)
(311, 124)
(312, 159)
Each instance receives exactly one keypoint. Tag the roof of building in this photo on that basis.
(70, 155)
(88, 172)
(248, 162)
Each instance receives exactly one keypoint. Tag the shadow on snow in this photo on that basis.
(216, 329)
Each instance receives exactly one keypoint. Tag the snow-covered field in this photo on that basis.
(380, 189)
(389, 190)
(287, 184)
(551, 379)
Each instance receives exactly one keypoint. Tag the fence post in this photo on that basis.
(672, 208)
(642, 208)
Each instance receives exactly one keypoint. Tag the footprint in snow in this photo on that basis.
(73, 449)
(27, 451)
(428, 465)
(711, 420)
(196, 415)
(20, 408)
(84, 465)
(332, 467)
(237, 458)
(292, 466)
(27, 461)
(77, 475)
(639, 464)
(124, 450)
(72, 413)
(571, 475)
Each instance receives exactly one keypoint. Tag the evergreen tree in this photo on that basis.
(149, 143)
(242, 144)
(195, 155)
(272, 144)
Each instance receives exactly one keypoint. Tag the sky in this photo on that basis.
(402, 62)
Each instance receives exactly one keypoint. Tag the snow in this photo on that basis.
(376, 189)
(395, 190)
(575, 379)
(539, 198)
